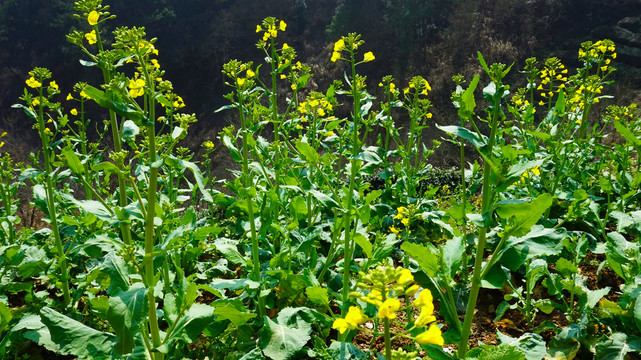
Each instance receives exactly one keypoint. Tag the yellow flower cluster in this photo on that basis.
(208, 145)
(600, 53)
(339, 46)
(33, 83)
(316, 104)
(553, 78)
(270, 28)
(353, 318)
(531, 172)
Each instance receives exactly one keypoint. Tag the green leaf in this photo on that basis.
(566, 268)
(318, 295)
(364, 244)
(468, 104)
(502, 352)
(309, 153)
(189, 327)
(116, 268)
(232, 311)
(427, 258)
(73, 161)
(184, 164)
(521, 215)
(452, 253)
(230, 251)
(5, 316)
(127, 310)
(75, 338)
(280, 342)
(532, 345)
(628, 135)
(637, 312)
(122, 107)
(324, 199)
(613, 347)
(465, 134)
(537, 243)
(345, 351)
(563, 349)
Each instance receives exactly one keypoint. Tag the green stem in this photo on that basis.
(256, 271)
(480, 249)
(388, 340)
(51, 205)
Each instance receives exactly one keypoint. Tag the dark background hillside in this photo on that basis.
(433, 38)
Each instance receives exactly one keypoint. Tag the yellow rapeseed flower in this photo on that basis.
(33, 83)
(394, 230)
(368, 56)
(431, 336)
(388, 309)
(69, 97)
(426, 316)
(136, 87)
(282, 26)
(53, 85)
(250, 73)
(339, 45)
(335, 56)
(209, 145)
(84, 95)
(240, 81)
(93, 17)
(35, 102)
(3, 134)
(91, 37)
(424, 298)
(258, 28)
(74, 112)
(406, 277)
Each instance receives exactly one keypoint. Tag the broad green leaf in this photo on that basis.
(566, 268)
(116, 268)
(637, 312)
(255, 354)
(309, 153)
(628, 135)
(364, 244)
(230, 251)
(280, 342)
(465, 134)
(452, 253)
(28, 327)
(563, 349)
(532, 345)
(426, 257)
(232, 311)
(468, 104)
(233, 149)
(34, 261)
(346, 351)
(521, 216)
(502, 352)
(73, 161)
(127, 310)
(538, 242)
(189, 327)
(318, 295)
(612, 347)
(324, 199)
(73, 337)
(593, 296)
(119, 106)
(5, 316)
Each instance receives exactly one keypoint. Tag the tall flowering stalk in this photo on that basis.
(348, 45)
(38, 107)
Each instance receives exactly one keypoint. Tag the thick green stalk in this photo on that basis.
(149, 272)
(348, 240)
(480, 249)
(464, 220)
(256, 273)
(122, 186)
(388, 340)
(51, 206)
